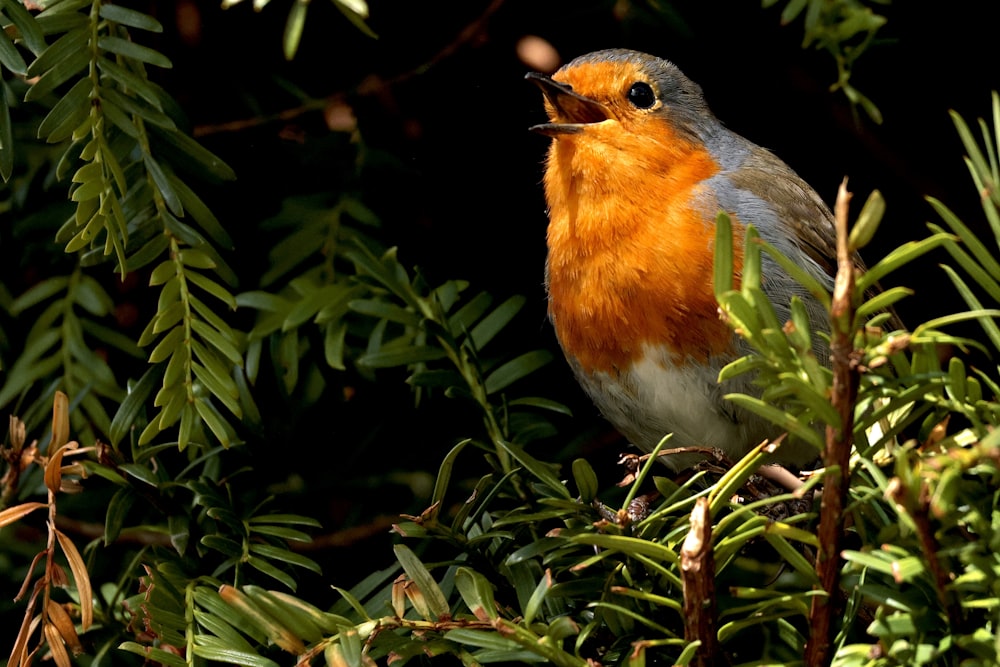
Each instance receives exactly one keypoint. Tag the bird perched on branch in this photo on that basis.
(636, 174)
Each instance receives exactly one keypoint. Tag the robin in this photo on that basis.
(636, 174)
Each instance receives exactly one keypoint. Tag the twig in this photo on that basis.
(836, 455)
(12, 456)
(918, 509)
(467, 34)
(698, 580)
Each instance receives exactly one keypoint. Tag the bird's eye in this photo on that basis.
(641, 95)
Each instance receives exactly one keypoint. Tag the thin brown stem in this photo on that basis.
(919, 511)
(698, 579)
(466, 35)
(836, 456)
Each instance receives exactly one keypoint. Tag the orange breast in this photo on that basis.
(631, 247)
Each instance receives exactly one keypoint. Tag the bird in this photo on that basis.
(637, 170)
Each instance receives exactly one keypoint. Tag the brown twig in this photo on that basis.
(836, 456)
(919, 509)
(698, 580)
(467, 34)
(12, 456)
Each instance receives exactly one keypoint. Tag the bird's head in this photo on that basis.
(618, 91)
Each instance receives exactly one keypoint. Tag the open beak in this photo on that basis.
(572, 110)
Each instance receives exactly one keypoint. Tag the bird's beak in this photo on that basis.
(572, 110)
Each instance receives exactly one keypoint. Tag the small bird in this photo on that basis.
(635, 176)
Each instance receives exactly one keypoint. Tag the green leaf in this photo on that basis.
(902, 569)
(6, 140)
(26, 25)
(333, 345)
(128, 80)
(10, 57)
(261, 300)
(800, 275)
(160, 656)
(38, 293)
(285, 351)
(286, 519)
(516, 369)
(882, 301)
(61, 72)
(310, 304)
(988, 322)
(534, 604)
(401, 357)
(444, 476)
(130, 18)
(293, 28)
(222, 652)
(92, 297)
(26, 371)
(792, 10)
(137, 107)
(901, 256)
(170, 317)
(300, 622)
(180, 532)
(985, 261)
(220, 343)
(170, 344)
(629, 545)
(540, 470)
(415, 570)
(469, 313)
(119, 118)
(118, 508)
(265, 567)
(57, 23)
(128, 49)
(723, 265)
(212, 287)
(868, 221)
(197, 209)
(481, 639)
(220, 386)
(163, 184)
(282, 532)
(586, 480)
(493, 323)
(140, 472)
(385, 310)
(222, 631)
(778, 417)
(212, 602)
(148, 252)
(192, 150)
(224, 545)
(72, 43)
(476, 592)
(284, 555)
(214, 422)
(163, 272)
(349, 9)
(85, 192)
